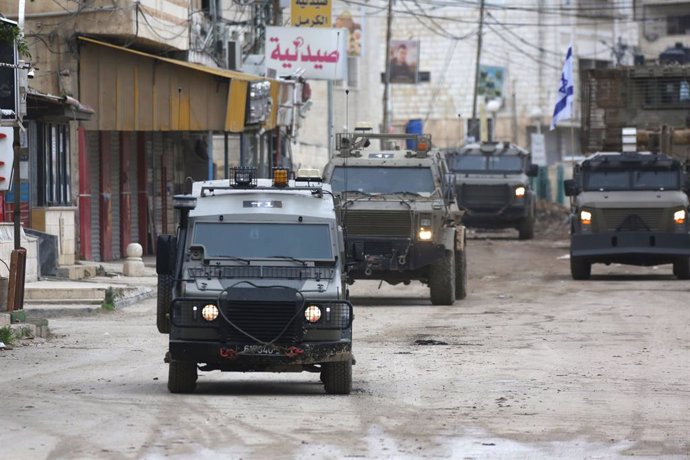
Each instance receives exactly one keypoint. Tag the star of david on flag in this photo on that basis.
(564, 100)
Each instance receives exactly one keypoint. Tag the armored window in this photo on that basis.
(377, 179)
(263, 240)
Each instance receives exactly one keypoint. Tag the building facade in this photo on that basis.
(155, 99)
(522, 53)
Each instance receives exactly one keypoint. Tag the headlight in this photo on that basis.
(679, 216)
(424, 234)
(585, 217)
(312, 313)
(425, 222)
(209, 312)
(520, 192)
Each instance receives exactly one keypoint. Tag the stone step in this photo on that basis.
(48, 295)
(77, 272)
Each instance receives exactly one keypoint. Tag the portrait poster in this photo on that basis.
(352, 20)
(404, 61)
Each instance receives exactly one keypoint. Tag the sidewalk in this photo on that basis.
(55, 296)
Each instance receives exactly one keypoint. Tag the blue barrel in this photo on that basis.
(414, 126)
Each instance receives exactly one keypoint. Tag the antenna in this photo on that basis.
(347, 110)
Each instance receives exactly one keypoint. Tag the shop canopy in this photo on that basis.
(135, 91)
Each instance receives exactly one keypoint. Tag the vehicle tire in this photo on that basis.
(681, 268)
(337, 377)
(442, 280)
(526, 228)
(460, 274)
(181, 377)
(164, 297)
(580, 268)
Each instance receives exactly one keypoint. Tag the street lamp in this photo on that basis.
(492, 106)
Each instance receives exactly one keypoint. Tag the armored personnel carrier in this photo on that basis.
(253, 281)
(398, 212)
(492, 186)
(629, 208)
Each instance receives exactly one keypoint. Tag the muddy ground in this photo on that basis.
(531, 365)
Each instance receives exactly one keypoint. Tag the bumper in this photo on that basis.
(652, 247)
(503, 218)
(370, 257)
(270, 358)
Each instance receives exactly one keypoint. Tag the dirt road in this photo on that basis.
(531, 365)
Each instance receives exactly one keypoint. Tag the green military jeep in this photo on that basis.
(398, 212)
(492, 186)
(629, 208)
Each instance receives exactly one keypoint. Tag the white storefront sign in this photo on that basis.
(320, 53)
(538, 149)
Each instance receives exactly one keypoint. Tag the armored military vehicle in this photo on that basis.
(400, 222)
(492, 186)
(253, 281)
(629, 208)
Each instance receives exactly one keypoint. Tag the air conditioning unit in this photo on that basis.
(233, 54)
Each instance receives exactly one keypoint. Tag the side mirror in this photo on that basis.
(570, 187)
(166, 248)
(533, 171)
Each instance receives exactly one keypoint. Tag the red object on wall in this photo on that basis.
(84, 199)
(125, 196)
(105, 203)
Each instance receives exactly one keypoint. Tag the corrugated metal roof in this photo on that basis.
(190, 65)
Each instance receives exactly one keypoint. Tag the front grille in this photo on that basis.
(378, 223)
(260, 271)
(262, 313)
(484, 197)
(620, 219)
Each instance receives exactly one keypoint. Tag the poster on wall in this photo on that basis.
(491, 79)
(353, 21)
(404, 61)
(320, 53)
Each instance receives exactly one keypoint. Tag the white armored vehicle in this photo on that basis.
(253, 281)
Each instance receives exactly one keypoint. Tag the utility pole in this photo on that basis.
(476, 66)
(387, 82)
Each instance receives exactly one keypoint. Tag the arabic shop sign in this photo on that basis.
(310, 13)
(321, 53)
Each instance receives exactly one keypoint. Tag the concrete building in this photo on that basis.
(524, 46)
(663, 23)
(144, 96)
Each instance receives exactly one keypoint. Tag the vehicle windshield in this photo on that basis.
(261, 240)
(378, 179)
(631, 179)
(486, 163)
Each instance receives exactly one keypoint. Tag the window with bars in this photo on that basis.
(53, 165)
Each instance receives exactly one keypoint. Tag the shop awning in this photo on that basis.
(136, 91)
(42, 106)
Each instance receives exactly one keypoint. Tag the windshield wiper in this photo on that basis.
(357, 191)
(219, 258)
(293, 259)
(404, 193)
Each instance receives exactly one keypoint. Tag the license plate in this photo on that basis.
(260, 350)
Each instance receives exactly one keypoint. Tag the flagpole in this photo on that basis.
(572, 110)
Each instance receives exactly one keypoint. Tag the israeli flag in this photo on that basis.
(564, 99)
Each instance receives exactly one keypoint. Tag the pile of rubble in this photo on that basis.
(552, 221)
